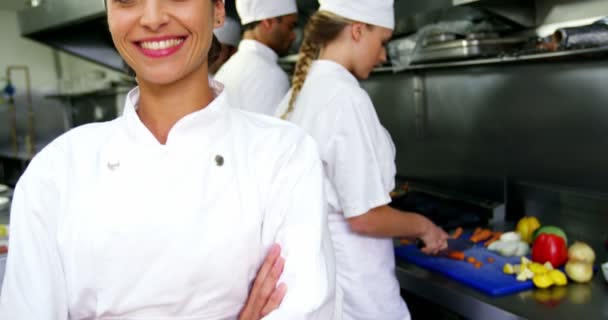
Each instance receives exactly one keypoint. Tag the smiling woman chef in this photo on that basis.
(342, 43)
(167, 212)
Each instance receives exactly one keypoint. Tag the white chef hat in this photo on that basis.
(377, 12)
(229, 33)
(257, 10)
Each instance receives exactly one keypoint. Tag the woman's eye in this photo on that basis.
(124, 1)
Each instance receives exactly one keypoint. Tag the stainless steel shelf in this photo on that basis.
(5, 210)
(291, 60)
(4, 215)
(384, 69)
(476, 62)
(100, 92)
(502, 59)
(9, 154)
(6, 151)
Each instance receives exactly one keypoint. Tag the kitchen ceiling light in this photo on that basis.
(34, 3)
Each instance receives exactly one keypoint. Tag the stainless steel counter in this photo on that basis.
(4, 219)
(4, 213)
(575, 301)
(2, 267)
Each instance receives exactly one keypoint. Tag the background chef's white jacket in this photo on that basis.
(253, 78)
(358, 157)
(109, 224)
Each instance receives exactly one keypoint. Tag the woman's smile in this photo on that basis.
(160, 47)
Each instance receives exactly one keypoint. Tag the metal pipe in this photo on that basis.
(419, 104)
(29, 138)
(12, 116)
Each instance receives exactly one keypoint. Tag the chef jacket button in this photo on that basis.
(219, 160)
(113, 165)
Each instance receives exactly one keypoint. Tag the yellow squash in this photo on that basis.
(526, 227)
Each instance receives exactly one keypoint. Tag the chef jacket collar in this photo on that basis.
(334, 68)
(258, 47)
(198, 126)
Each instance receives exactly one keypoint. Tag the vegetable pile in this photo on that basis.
(549, 251)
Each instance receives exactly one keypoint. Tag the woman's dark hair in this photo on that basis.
(216, 47)
(214, 51)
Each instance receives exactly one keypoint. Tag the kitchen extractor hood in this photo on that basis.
(78, 27)
(411, 15)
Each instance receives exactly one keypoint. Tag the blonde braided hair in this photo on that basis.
(322, 28)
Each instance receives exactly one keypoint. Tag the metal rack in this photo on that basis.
(504, 59)
(30, 148)
(485, 61)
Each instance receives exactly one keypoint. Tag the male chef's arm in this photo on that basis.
(297, 220)
(34, 284)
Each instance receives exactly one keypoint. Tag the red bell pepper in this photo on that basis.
(550, 247)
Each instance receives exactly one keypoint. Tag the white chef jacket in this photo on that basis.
(107, 223)
(359, 162)
(253, 78)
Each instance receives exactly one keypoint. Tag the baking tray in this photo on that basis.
(466, 49)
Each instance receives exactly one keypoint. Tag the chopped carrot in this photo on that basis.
(495, 237)
(490, 259)
(457, 233)
(477, 230)
(471, 259)
(456, 255)
(482, 235)
(477, 264)
(405, 242)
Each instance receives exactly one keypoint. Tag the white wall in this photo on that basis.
(49, 113)
(19, 51)
(16, 50)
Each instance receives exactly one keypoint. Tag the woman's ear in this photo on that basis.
(219, 13)
(356, 30)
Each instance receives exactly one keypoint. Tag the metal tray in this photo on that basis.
(465, 49)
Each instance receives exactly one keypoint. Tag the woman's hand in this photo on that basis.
(387, 222)
(265, 296)
(434, 238)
